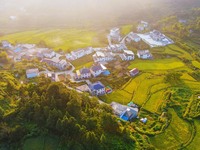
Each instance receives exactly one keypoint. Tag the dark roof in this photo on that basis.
(96, 68)
(134, 71)
(84, 70)
(96, 86)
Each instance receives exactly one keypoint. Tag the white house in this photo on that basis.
(133, 37)
(56, 62)
(97, 88)
(84, 73)
(49, 53)
(144, 54)
(6, 44)
(127, 55)
(88, 50)
(103, 56)
(116, 47)
(78, 53)
(115, 34)
(157, 36)
(96, 70)
(142, 26)
(26, 46)
(31, 73)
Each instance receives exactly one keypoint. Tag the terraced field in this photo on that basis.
(178, 132)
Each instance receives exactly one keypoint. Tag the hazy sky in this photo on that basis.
(70, 12)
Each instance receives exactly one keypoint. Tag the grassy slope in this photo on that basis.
(66, 39)
(157, 64)
(195, 143)
(178, 132)
(41, 143)
(86, 61)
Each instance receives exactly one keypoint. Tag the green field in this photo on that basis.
(177, 133)
(196, 64)
(65, 39)
(157, 64)
(41, 143)
(126, 29)
(86, 61)
(155, 101)
(138, 90)
(195, 143)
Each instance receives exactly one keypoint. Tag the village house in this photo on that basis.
(142, 26)
(17, 49)
(124, 112)
(97, 88)
(6, 44)
(127, 55)
(134, 72)
(144, 54)
(26, 46)
(84, 73)
(56, 62)
(49, 53)
(103, 56)
(157, 36)
(96, 70)
(78, 53)
(115, 34)
(88, 50)
(183, 21)
(116, 47)
(31, 73)
(132, 37)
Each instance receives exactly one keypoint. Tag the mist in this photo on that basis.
(80, 13)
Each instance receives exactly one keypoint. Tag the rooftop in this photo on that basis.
(96, 86)
(34, 70)
(96, 68)
(128, 52)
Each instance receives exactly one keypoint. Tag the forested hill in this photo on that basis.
(43, 108)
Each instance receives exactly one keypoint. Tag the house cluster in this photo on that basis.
(94, 71)
(132, 37)
(54, 59)
(79, 53)
(158, 36)
(116, 47)
(103, 56)
(31, 51)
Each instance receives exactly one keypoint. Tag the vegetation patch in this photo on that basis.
(177, 133)
(158, 64)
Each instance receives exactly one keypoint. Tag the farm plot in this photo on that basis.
(65, 39)
(155, 101)
(178, 132)
(158, 64)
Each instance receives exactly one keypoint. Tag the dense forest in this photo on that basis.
(45, 108)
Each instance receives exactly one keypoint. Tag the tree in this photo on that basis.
(173, 78)
(109, 123)
(4, 57)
